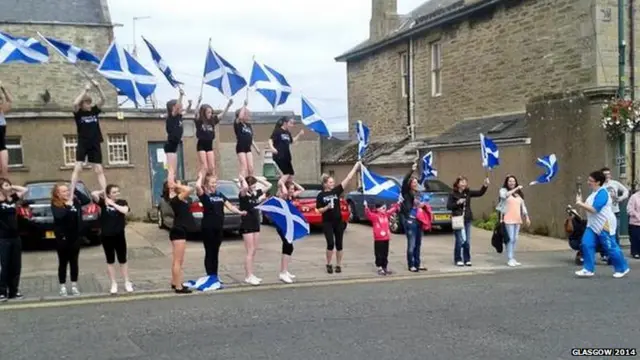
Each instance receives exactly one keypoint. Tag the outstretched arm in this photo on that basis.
(175, 111)
(226, 108)
(183, 191)
(407, 178)
(351, 174)
(101, 101)
(8, 99)
(124, 209)
(96, 195)
(295, 138)
(78, 100)
(19, 191)
(199, 189)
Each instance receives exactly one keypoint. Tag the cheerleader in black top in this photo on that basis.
(280, 144)
(178, 198)
(244, 141)
(206, 122)
(250, 197)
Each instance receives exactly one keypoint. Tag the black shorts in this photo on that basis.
(171, 146)
(204, 145)
(285, 166)
(243, 148)
(3, 137)
(250, 223)
(177, 233)
(89, 152)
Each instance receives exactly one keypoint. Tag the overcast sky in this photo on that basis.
(299, 38)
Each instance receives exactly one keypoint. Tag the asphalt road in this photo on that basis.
(520, 314)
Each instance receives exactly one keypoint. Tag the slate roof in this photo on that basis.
(404, 154)
(501, 127)
(63, 11)
(348, 153)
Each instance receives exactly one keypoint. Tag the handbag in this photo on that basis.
(457, 222)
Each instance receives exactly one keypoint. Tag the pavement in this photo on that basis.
(150, 258)
(521, 314)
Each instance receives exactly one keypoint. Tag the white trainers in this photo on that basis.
(584, 273)
(459, 263)
(252, 280)
(285, 278)
(114, 288)
(512, 263)
(74, 290)
(517, 263)
(128, 286)
(63, 290)
(619, 275)
(291, 275)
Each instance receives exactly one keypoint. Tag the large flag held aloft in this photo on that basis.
(374, 184)
(220, 74)
(124, 72)
(271, 84)
(162, 65)
(71, 52)
(362, 133)
(286, 217)
(24, 50)
(312, 119)
(427, 167)
(490, 153)
(550, 165)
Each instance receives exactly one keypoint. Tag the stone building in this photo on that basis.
(420, 74)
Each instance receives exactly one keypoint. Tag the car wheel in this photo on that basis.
(394, 224)
(353, 216)
(160, 219)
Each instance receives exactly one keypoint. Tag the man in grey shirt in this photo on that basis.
(618, 193)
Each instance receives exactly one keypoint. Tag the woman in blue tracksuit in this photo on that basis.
(601, 227)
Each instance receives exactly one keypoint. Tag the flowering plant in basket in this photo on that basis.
(619, 116)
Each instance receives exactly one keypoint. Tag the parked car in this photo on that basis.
(436, 191)
(231, 221)
(35, 218)
(306, 203)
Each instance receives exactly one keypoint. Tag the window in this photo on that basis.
(436, 69)
(69, 145)
(404, 73)
(14, 150)
(118, 149)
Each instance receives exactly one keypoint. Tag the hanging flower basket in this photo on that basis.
(619, 116)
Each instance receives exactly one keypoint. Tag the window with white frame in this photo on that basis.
(14, 150)
(436, 69)
(404, 73)
(118, 149)
(69, 145)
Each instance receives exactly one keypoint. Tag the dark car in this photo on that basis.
(436, 192)
(35, 218)
(231, 221)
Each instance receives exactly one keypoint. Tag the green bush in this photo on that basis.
(488, 223)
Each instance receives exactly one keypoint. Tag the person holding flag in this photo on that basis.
(409, 205)
(293, 191)
(5, 105)
(206, 122)
(511, 209)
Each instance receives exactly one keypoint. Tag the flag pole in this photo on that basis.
(84, 73)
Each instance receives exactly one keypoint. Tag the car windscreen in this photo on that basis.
(437, 186)
(228, 189)
(43, 191)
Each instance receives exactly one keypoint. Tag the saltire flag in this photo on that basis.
(362, 133)
(162, 65)
(427, 167)
(220, 74)
(71, 52)
(205, 283)
(312, 119)
(26, 50)
(286, 217)
(125, 73)
(269, 83)
(550, 165)
(490, 153)
(374, 184)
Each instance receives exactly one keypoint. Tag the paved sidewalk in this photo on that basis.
(150, 259)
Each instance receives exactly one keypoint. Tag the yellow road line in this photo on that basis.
(232, 290)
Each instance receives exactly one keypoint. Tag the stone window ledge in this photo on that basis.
(19, 169)
(89, 167)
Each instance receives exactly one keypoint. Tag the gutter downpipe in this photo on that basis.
(632, 88)
(410, 97)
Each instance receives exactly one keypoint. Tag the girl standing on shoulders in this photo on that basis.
(5, 106)
(512, 210)
(328, 204)
(409, 205)
(113, 211)
(178, 198)
(460, 205)
(213, 204)
(244, 141)
(280, 144)
(10, 243)
(206, 122)
(174, 136)
(293, 191)
(66, 205)
(250, 197)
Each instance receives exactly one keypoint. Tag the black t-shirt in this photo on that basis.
(282, 139)
(182, 217)
(325, 198)
(205, 130)
(248, 202)
(8, 217)
(244, 133)
(213, 207)
(88, 124)
(67, 220)
(113, 221)
(174, 128)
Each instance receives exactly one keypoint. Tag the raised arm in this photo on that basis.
(19, 191)
(175, 111)
(299, 189)
(407, 178)
(351, 174)
(199, 189)
(95, 195)
(123, 209)
(226, 108)
(295, 138)
(483, 189)
(183, 191)
(78, 100)
(8, 99)
(244, 187)
(504, 193)
(265, 183)
(393, 209)
(101, 101)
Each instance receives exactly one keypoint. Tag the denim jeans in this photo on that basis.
(414, 240)
(462, 248)
(634, 239)
(512, 232)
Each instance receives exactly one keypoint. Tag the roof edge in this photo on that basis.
(107, 25)
(521, 140)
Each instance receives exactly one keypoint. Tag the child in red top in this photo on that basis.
(380, 223)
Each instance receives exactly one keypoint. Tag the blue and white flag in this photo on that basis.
(362, 132)
(125, 73)
(427, 167)
(550, 165)
(70, 52)
(312, 119)
(205, 283)
(220, 74)
(490, 153)
(24, 50)
(162, 65)
(286, 217)
(374, 184)
(271, 84)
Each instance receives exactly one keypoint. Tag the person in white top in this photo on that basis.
(618, 194)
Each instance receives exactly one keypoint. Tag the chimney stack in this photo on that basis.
(384, 18)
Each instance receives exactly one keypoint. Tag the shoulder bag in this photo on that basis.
(457, 222)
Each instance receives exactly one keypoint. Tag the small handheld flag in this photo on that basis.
(374, 184)
(362, 132)
(427, 167)
(490, 153)
(269, 83)
(220, 74)
(550, 165)
(162, 65)
(312, 119)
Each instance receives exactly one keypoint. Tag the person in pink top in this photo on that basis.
(512, 211)
(379, 219)
(633, 209)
